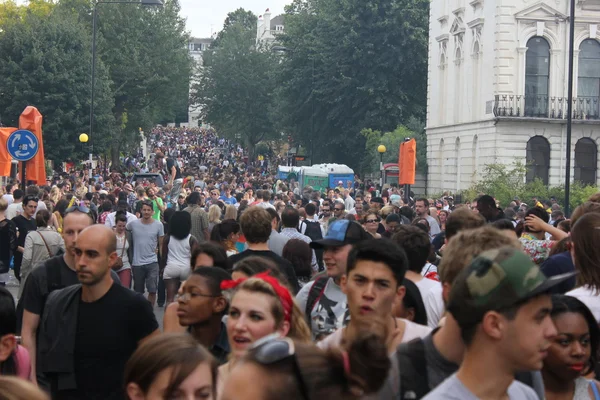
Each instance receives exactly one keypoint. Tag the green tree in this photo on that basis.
(45, 62)
(352, 65)
(150, 67)
(247, 19)
(235, 85)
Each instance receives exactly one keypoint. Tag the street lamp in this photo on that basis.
(151, 3)
(83, 139)
(569, 108)
(381, 149)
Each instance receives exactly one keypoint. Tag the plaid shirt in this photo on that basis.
(293, 233)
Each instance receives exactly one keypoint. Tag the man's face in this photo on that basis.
(358, 207)
(371, 289)
(375, 205)
(326, 209)
(420, 208)
(92, 261)
(29, 208)
(526, 339)
(336, 259)
(338, 210)
(368, 198)
(73, 223)
(147, 212)
(474, 207)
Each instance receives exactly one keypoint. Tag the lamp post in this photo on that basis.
(381, 149)
(83, 139)
(154, 3)
(569, 108)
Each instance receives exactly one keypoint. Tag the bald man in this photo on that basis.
(89, 331)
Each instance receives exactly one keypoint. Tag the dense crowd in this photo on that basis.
(275, 291)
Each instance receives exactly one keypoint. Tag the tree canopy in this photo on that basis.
(236, 84)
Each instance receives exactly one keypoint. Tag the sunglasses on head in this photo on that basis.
(81, 209)
(273, 349)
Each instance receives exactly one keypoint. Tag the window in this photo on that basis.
(588, 81)
(586, 161)
(538, 159)
(537, 77)
(279, 28)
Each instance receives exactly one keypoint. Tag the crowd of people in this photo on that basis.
(275, 291)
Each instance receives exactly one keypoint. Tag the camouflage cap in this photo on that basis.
(497, 279)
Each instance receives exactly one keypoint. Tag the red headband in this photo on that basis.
(283, 293)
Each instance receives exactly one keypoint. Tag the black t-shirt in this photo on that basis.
(108, 332)
(284, 265)
(170, 164)
(24, 226)
(35, 291)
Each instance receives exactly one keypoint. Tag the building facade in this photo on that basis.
(497, 90)
(268, 28)
(196, 47)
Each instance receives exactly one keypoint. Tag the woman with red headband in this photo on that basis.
(260, 306)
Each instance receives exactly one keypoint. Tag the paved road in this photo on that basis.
(13, 287)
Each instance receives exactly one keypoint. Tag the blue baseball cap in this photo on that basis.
(342, 232)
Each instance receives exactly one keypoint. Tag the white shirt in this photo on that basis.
(110, 219)
(9, 198)
(434, 306)
(14, 209)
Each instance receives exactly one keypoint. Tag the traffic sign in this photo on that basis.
(22, 145)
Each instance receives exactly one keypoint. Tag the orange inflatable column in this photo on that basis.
(31, 120)
(5, 158)
(408, 158)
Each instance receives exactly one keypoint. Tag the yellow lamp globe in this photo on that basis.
(381, 148)
(83, 138)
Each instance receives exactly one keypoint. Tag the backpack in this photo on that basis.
(414, 383)
(313, 231)
(314, 295)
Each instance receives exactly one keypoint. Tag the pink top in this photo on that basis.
(23, 362)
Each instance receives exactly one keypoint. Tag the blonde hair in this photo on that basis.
(12, 388)
(467, 245)
(214, 214)
(3, 204)
(54, 195)
(230, 212)
(299, 329)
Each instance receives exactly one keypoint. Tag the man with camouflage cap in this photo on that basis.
(502, 304)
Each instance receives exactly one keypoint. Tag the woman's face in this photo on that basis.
(372, 223)
(443, 216)
(198, 385)
(570, 351)
(120, 227)
(250, 318)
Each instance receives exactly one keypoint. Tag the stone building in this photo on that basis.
(497, 89)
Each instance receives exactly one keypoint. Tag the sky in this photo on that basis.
(206, 17)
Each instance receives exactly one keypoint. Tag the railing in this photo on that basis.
(507, 105)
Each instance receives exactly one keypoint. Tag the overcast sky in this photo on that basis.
(206, 17)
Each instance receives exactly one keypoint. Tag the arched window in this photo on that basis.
(538, 159)
(588, 81)
(475, 87)
(586, 161)
(458, 82)
(442, 166)
(537, 77)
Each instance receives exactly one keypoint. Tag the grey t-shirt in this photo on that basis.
(453, 389)
(329, 313)
(145, 241)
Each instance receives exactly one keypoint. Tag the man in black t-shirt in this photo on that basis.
(25, 223)
(55, 273)
(256, 226)
(89, 331)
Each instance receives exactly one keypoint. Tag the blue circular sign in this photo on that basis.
(22, 145)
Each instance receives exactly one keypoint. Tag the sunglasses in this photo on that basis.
(337, 209)
(274, 349)
(81, 209)
(370, 221)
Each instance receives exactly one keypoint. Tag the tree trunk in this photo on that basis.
(115, 152)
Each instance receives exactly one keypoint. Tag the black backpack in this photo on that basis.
(414, 383)
(313, 231)
(314, 295)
